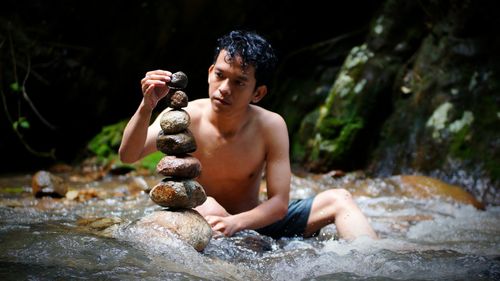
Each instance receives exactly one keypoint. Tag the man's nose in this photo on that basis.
(224, 87)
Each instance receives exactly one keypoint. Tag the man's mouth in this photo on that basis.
(221, 100)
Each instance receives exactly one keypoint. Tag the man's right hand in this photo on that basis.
(155, 87)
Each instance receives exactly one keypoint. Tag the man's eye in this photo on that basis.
(219, 75)
(240, 83)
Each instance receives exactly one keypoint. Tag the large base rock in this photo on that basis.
(187, 224)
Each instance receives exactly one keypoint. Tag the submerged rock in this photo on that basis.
(425, 187)
(187, 224)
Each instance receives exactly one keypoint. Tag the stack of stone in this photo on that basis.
(179, 191)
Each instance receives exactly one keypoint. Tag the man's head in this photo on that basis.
(252, 49)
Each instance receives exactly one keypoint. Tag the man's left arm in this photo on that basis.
(278, 175)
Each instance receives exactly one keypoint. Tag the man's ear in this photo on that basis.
(259, 93)
(209, 71)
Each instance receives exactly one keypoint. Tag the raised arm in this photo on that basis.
(137, 140)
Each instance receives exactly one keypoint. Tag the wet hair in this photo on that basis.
(253, 49)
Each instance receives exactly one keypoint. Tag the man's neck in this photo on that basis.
(229, 125)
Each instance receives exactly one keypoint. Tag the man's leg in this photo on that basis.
(337, 205)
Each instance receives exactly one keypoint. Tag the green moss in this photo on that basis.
(299, 140)
(460, 146)
(334, 140)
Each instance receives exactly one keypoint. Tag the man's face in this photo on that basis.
(231, 86)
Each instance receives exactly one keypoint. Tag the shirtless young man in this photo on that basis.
(238, 141)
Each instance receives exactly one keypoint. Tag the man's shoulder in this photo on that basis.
(196, 107)
(267, 117)
(260, 111)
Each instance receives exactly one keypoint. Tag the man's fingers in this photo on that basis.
(215, 222)
(156, 77)
(212, 220)
(159, 72)
(160, 75)
(149, 89)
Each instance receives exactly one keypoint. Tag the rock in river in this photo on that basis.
(187, 224)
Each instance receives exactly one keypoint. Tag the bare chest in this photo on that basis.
(238, 161)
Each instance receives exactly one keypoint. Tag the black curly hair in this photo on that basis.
(253, 50)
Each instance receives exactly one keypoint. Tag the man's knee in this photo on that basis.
(340, 198)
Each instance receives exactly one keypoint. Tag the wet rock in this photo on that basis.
(44, 183)
(179, 80)
(106, 227)
(72, 195)
(425, 187)
(83, 195)
(120, 169)
(254, 242)
(187, 224)
(183, 167)
(176, 144)
(136, 185)
(98, 223)
(174, 121)
(178, 194)
(178, 100)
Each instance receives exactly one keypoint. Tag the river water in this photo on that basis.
(431, 238)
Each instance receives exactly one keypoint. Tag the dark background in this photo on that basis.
(86, 58)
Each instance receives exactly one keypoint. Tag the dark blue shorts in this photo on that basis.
(294, 223)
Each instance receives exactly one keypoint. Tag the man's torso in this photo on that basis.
(231, 166)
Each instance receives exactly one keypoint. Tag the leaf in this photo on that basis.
(24, 123)
(15, 87)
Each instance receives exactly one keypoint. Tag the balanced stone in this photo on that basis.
(174, 121)
(183, 167)
(178, 99)
(176, 144)
(179, 80)
(178, 194)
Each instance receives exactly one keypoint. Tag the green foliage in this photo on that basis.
(15, 87)
(105, 144)
(21, 122)
(149, 162)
